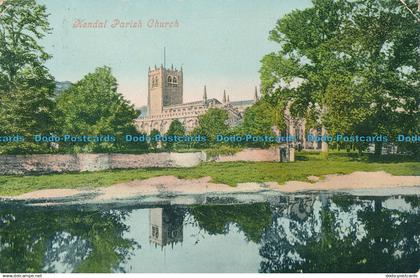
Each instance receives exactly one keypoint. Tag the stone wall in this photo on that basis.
(57, 163)
(24, 164)
(272, 154)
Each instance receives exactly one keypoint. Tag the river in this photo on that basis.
(287, 233)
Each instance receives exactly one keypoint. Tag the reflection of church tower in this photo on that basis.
(166, 225)
(165, 88)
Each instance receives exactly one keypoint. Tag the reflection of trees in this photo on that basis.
(42, 240)
(251, 219)
(393, 241)
(307, 233)
(371, 235)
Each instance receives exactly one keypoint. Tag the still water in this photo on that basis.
(294, 233)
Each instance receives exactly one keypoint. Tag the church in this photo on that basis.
(165, 103)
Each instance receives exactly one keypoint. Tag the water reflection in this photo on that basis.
(298, 233)
(53, 240)
(343, 235)
(166, 225)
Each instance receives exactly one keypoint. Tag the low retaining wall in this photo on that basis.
(57, 163)
(272, 154)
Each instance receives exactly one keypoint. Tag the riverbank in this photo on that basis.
(230, 175)
(172, 190)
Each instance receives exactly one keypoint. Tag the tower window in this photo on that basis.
(155, 231)
(155, 81)
(172, 80)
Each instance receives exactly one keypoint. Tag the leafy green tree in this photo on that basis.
(93, 107)
(26, 112)
(135, 146)
(153, 141)
(349, 111)
(365, 52)
(299, 72)
(384, 43)
(175, 129)
(22, 58)
(259, 120)
(26, 87)
(211, 124)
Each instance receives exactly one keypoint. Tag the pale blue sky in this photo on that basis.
(218, 43)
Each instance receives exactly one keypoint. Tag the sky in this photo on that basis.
(218, 43)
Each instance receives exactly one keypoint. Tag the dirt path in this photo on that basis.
(170, 185)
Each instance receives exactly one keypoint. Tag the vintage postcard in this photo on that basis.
(198, 136)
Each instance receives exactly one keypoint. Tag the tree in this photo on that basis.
(299, 72)
(154, 134)
(384, 43)
(23, 22)
(259, 120)
(175, 129)
(348, 59)
(349, 111)
(212, 123)
(26, 87)
(93, 107)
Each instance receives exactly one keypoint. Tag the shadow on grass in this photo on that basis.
(357, 157)
(392, 158)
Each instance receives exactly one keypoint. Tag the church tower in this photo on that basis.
(165, 89)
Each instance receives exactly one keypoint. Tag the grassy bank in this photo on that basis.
(229, 173)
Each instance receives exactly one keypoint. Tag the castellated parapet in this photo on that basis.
(165, 89)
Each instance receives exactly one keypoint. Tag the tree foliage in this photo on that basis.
(352, 64)
(212, 123)
(259, 120)
(176, 128)
(26, 87)
(22, 24)
(93, 107)
(153, 135)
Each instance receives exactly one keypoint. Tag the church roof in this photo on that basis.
(194, 103)
(242, 102)
(213, 101)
